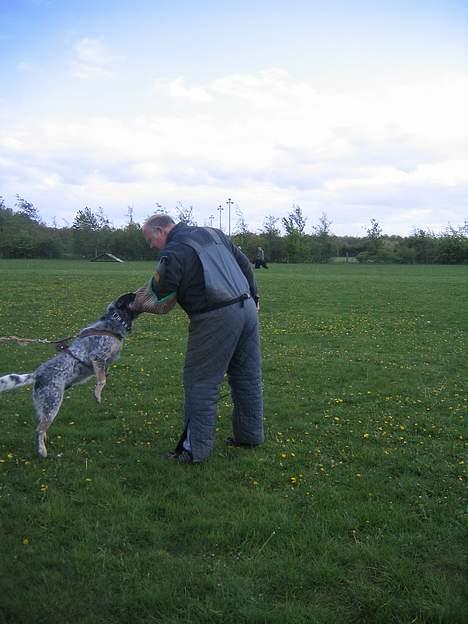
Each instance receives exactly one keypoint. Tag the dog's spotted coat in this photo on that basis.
(87, 355)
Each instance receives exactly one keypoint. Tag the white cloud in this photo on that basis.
(177, 89)
(91, 59)
(266, 139)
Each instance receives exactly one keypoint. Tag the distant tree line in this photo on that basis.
(24, 235)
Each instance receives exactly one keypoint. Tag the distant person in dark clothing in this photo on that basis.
(212, 281)
(260, 259)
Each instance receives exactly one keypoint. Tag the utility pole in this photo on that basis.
(229, 203)
(220, 210)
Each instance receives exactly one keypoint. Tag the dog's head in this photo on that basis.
(124, 301)
(121, 311)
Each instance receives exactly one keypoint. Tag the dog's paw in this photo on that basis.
(41, 449)
(97, 393)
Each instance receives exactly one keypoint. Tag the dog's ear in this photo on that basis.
(124, 301)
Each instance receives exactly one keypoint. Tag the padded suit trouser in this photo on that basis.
(223, 341)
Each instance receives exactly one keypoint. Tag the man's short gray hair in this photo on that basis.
(159, 221)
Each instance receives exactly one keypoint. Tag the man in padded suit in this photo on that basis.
(212, 281)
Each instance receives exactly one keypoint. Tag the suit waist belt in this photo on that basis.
(216, 306)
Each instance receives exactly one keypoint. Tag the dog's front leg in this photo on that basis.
(100, 372)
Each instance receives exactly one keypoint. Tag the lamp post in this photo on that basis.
(220, 210)
(229, 203)
(211, 217)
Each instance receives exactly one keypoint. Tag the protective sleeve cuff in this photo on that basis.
(153, 294)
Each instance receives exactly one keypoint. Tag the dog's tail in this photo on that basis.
(11, 382)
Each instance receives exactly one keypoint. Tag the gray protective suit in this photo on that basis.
(222, 339)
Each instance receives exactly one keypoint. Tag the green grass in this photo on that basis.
(352, 512)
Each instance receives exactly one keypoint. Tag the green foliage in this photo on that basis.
(453, 247)
(87, 233)
(323, 246)
(352, 512)
(27, 209)
(374, 239)
(85, 220)
(422, 247)
(130, 244)
(184, 214)
(295, 222)
(22, 235)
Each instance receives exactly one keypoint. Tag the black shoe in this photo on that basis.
(232, 442)
(182, 457)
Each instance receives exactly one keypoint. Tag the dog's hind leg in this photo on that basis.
(47, 401)
(100, 372)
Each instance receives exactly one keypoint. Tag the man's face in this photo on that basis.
(156, 239)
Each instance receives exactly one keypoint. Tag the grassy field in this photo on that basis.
(354, 511)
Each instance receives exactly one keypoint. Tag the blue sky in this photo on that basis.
(354, 109)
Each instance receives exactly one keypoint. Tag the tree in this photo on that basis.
(5, 214)
(269, 227)
(19, 245)
(295, 221)
(162, 209)
(86, 227)
(374, 231)
(242, 227)
(27, 209)
(185, 215)
(323, 227)
(323, 239)
(85, 220)
(374, 237)
(271, 240)
(452, 246)
(294, 224)
(129, 243)
(241, 231)
(424, 245)
(103, 222)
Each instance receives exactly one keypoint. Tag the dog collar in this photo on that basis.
(116, 317)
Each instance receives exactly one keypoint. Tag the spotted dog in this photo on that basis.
(90, 354)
